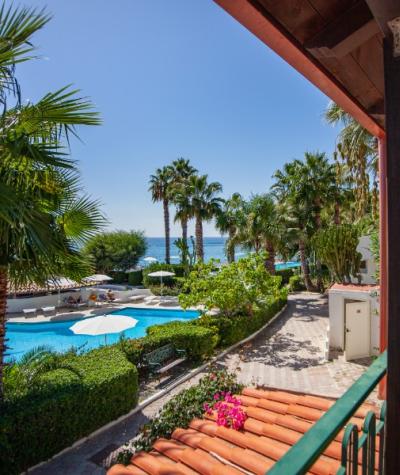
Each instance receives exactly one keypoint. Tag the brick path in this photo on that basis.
(289, 354)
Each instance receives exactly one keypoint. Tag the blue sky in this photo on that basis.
(173, 78)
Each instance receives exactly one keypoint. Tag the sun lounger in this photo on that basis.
(29, 312)
(49, 310)
(136, 298)
(152, 300)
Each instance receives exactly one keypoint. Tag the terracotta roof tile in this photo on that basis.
(276, 420)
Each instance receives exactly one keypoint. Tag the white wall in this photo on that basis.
(364, 248)
(337, 316)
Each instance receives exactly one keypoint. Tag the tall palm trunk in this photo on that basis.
(304, 266)
(199, 239)
(184, 224)
(270, 260)
(320, 285)
(3, 305)
(336, 216)
(167, 231)
(230, 251)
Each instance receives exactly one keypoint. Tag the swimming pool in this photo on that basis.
(287, 265)
(25, 336)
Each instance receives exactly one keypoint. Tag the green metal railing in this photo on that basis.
(355, 449)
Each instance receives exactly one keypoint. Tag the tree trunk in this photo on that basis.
(304, 267)
(3, 305)
(320, 285)
(231, 247)
(270, 261)
(184, 223)
(199, 239)
(336, 217)
(167, 231)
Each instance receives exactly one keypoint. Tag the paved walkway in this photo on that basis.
(289, 354)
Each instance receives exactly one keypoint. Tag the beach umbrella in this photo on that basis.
(97, 278)
(161, 274)
(103, 324)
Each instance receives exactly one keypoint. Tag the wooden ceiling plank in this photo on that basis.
(368, 56)
(341, 27)
(269, 31)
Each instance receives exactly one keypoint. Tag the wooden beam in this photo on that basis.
(344, 33)
(384, 11)
(256, 19)
(392, 111)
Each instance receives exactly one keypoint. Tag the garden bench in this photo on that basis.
(165, 354)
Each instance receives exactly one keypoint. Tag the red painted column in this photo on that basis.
(383, 268)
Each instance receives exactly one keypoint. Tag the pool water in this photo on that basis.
(287, 265)
(23, 337)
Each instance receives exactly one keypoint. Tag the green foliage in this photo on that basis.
(233, 329)
(170, 290)
(182, 408)
(285, 274)
(336, 247)
(119, 250)
(135, 277)
(197, 341)
(64, 405)
(235, 289)
(119, 277)
(375, 251)
(296, 283)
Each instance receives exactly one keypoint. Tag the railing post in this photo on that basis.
(392, 114)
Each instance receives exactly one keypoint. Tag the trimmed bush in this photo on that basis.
(233, 329)
(64, 407)
(296, 283)
(135, 277)
(119, 277)
(197, 341)
(177, 269)
(285, 274)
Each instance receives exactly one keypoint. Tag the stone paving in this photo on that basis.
(289, 354)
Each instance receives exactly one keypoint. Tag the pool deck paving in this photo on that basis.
(288, 354)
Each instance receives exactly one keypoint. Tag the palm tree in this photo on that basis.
(263, 228)
(182, 171)
(358, 149)
(205, 204)
(229, 220)
(42, 219)
(288, 190)
(160, 188)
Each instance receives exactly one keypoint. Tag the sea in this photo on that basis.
(214, 248)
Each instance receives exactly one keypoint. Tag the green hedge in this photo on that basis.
(177, 269)
(286, 274)
(233, 329)
(65, 407)
(119, 277)
(296, 283)
(197, 341)
(135, 277)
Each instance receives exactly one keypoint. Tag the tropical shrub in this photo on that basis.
(182, 408)
(197, 341)
(119, 277)
(135, 277)
(336, 247)
(285, 275)
(296, 283)
(119, 250)
(172, 291)
(64, 405)
(235, 289)
(230, 330)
